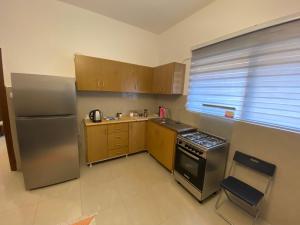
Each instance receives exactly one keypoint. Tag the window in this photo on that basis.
(254, 77)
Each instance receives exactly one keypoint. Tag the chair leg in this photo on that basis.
(258, 211)
(218, 205)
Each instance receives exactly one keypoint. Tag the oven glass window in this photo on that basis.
(189, 165)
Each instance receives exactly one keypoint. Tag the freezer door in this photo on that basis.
(48, 149)
(42, 95)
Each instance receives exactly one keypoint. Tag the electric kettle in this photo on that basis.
(96, 115)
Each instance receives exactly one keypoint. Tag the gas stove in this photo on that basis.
(202, 140)
(200, 161)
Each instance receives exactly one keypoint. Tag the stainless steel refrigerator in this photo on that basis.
(45, 109)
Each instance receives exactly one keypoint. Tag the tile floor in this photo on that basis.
(134, 190)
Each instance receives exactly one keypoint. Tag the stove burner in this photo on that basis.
(203, 139)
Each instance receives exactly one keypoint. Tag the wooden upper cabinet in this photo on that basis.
(169, 78)
(143, 79)
(96, 74)
(87, 70)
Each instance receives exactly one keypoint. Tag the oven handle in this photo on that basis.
(187, 153)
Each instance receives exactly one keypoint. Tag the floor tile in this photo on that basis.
(55, 211)
(118, 215)
(18, 216)
(96, 198)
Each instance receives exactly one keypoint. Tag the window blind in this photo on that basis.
(254, 77)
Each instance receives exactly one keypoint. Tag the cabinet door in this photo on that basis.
(110, 76)
(96, 143)
(169, 78)
(143, 79)
(137, 136)
(167, 147)
(163, 79)
(157, 85)
(152, 141)
(87, 70)
(161, 144)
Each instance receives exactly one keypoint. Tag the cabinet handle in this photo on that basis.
(102, 83)
(98, 83)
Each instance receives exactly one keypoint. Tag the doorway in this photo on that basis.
(5, 124)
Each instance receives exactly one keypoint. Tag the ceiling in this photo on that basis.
(152, 15)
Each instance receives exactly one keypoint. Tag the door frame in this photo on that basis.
(6, 121)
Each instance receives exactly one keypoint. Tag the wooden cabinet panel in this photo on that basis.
(143, 79)
(137, 136)
(118, 151)
(87, 70)
(169, 78)
(109, 75)
(161, 144)
(117, 140)
(96, 143)
(116, 128)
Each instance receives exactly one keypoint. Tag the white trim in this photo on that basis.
(249, 30)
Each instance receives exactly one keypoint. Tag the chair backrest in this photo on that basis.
(255, 163)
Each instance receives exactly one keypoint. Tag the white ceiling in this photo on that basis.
(153, 15)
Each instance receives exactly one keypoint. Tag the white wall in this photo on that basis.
(220, 18)
(41, 36)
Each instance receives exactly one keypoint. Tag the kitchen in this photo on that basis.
(53, 32)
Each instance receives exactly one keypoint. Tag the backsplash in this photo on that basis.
(111, 103)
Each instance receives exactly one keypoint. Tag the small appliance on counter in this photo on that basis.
(96, 116)
(162, 112)
(119, 115)
(200, 162)
(146, 113)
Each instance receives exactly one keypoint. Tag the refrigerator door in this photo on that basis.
(48, 149)
(42, 95)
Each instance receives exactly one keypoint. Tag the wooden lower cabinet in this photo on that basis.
(106, 141)
(118, 151)
(137, 136)
(112, 140)
(96, 143)
(161, 144)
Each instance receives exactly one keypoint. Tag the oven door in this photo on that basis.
(191, 166)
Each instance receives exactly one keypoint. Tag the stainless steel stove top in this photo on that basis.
(202, 139)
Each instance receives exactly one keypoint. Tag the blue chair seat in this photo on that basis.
(242, 190)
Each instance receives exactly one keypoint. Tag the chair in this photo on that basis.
(241, 193)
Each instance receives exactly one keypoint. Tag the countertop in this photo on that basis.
(124, 119)
(168, 123)
(173, 125)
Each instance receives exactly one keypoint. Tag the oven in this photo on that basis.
(190, 164)
(199, 163)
